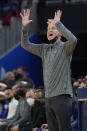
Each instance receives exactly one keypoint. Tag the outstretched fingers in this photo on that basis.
(59, 13)
(28, 12)
(21, 15)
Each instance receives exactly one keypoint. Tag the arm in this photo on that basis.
(71, 39)
(33, 48)
(7, 120)
(25, 113)
(11, 120)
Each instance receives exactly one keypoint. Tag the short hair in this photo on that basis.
(49, 21)
(21, 92)
(22, 68)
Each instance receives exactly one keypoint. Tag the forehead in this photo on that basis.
(51, 26)
(30, 92)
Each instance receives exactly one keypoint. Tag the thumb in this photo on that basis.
(27, 23)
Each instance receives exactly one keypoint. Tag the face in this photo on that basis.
(20, 71)
(76, 83)
(1, 88)
(52, 32)
(83, 84)
(8, 93)
(30, 94)
(11, 76)
(36, 96)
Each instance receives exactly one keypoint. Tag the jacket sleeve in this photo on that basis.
(25, 114)
(14, 118)
(71, 39)
(27, 45)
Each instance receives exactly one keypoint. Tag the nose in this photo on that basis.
(49, 29)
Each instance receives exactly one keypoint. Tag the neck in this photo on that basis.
(57, 40)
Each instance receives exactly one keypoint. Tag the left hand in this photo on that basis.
(57, 17)
(15, 128)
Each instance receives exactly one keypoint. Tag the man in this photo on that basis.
(12, 104)
(21, 75)
(56, 59)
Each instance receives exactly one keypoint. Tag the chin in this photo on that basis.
(50, 38)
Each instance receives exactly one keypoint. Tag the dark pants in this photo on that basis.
(3, 127)
(58, 112)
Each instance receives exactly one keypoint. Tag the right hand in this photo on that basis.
(1, 120)
(44, 126)
(25, 18)
(15, 128)
(2, 123)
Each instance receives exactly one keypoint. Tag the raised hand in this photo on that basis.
(44, 126)
(25, 17)
(57, 17)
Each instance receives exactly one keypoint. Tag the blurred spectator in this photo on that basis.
(29, 94)
(30, 97)
(83, 84)
(21, 75)
(30, 101)
(13, 103)
(9, 79)
(7, 20)
(38, 110)
(22, 114)
(21, 85)
(35, 100)
(3, 86)
(9, 9)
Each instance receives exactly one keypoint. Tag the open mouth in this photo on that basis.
(50, 34)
